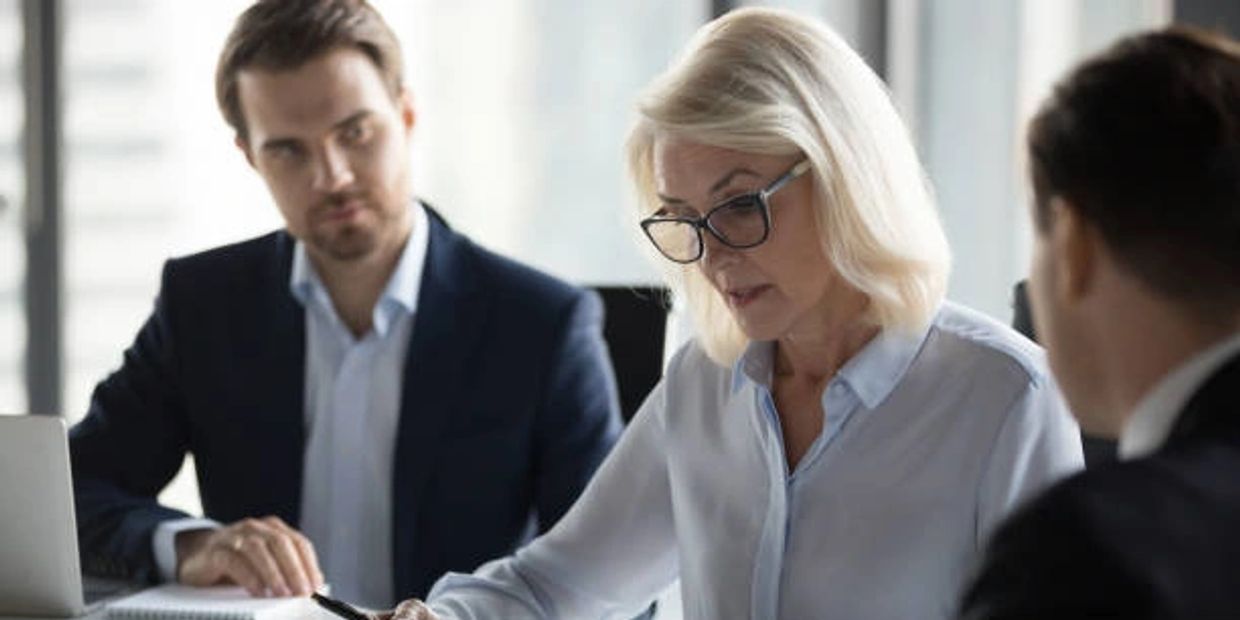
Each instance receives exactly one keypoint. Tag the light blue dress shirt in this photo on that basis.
(353, 390)
(352, 401)
(929, 439)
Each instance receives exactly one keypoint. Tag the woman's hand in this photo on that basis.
(412, 609)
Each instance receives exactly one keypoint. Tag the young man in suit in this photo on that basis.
(370, 398)
(1135, 162)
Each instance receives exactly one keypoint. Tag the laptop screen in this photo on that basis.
(39, 573)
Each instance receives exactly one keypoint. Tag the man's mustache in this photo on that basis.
(339, 200)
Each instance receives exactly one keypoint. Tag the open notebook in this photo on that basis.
(177, 602)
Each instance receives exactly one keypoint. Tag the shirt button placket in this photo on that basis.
(349, 406)
(769, 561)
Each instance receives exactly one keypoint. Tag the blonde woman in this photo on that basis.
(838, 441)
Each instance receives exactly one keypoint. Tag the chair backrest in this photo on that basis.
(1097, 450)
(635, 328)
(1022, 317)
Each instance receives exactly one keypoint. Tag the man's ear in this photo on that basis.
(1075, 244)
(244, 147)
(408, 115)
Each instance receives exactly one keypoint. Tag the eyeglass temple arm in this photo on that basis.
(796, 171)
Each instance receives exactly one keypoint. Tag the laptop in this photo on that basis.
(40, 573)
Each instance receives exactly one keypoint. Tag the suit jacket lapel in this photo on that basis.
(286, 368)
(445, 332)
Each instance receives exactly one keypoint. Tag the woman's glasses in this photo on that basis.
(740, 222)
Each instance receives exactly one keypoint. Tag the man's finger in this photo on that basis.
(234, 567)
(309, 559)
(273, 533)
(305, 549)
(276, 522)
(255, 550)
(284, 550)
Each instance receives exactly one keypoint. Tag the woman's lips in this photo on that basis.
(741, 297)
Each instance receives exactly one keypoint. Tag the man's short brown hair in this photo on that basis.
(281, 35)
(1144, 141)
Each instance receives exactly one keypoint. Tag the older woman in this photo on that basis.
(838, 441)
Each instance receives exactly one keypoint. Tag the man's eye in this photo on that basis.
(355, 133)
(285, 152)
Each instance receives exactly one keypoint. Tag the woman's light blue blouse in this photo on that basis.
(928, 440)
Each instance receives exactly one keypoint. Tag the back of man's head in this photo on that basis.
(281, 35)
(1144, 142)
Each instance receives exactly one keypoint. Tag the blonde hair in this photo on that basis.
(770, 82)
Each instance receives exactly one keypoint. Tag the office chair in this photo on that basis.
(1097, 449)
(634, 328)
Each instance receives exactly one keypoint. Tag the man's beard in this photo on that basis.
(348, 243)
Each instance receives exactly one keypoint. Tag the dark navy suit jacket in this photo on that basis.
(1155, 537)
(509, 404)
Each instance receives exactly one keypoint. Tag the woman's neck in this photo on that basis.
(816, 351)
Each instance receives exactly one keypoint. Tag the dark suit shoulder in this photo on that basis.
(1082, 517)
(1136, 539)
(1151, 493)
(1053, 558)
(244, 262)
(516, 287)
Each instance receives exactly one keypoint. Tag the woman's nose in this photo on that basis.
(715, 253)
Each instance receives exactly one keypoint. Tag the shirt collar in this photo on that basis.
(755, 366)
(1151, 421)
(399, 296)
(875, 371)
(871, 374)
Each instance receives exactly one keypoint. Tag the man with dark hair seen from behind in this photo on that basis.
(371, 399)
(1135, 162)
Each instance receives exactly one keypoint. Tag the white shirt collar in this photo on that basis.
(401, 292)
(1152, 419)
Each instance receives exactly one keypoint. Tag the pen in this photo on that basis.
(340, 608)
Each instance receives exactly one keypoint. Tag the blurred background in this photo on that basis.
(113, 156)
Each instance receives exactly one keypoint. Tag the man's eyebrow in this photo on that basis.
(275, 143)
(352, 118)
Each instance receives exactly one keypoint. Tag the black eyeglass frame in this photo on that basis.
(762, 197)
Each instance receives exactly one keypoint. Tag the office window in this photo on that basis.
(150, 170)
(862, 23)
(12, 245)
(970, 78)
(523, 107)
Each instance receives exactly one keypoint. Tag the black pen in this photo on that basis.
(340, 608)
